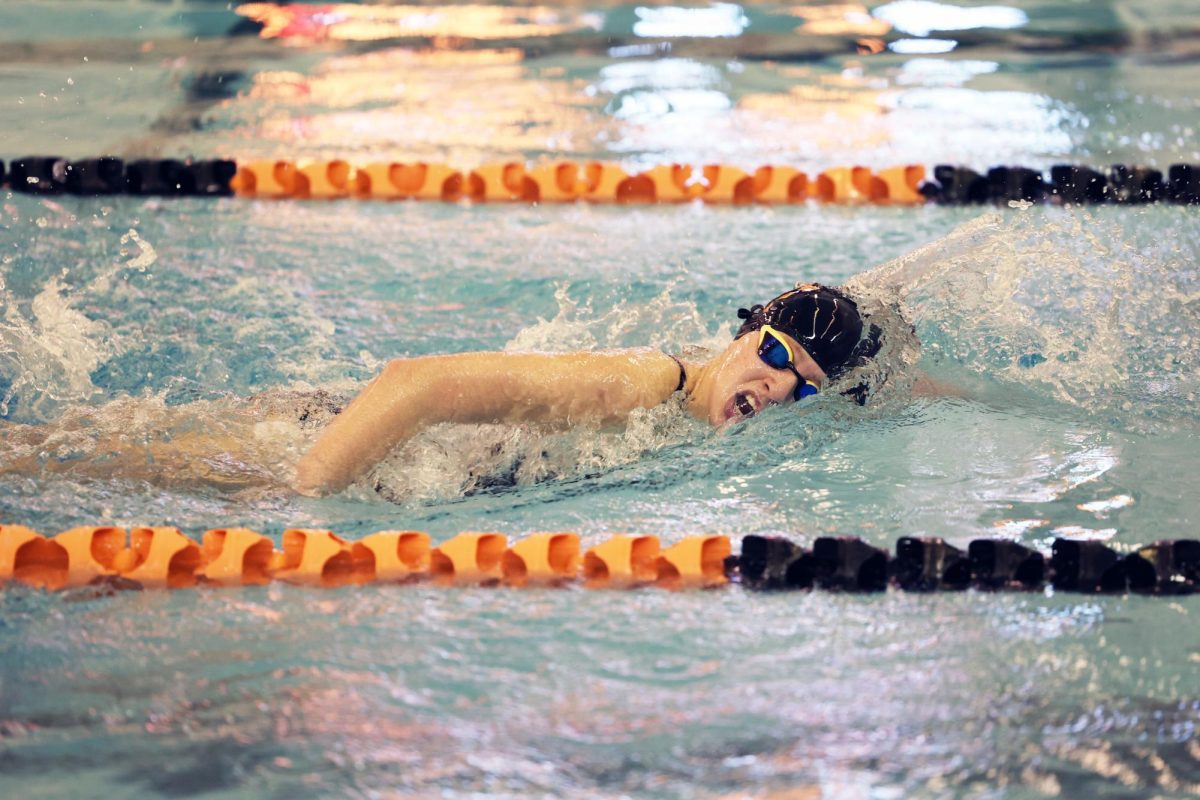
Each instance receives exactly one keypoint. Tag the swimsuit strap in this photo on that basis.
(682, 372)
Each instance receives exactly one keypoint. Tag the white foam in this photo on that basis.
(1061, 303)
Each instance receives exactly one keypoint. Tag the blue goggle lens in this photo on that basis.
(805, 389)
(773, 353)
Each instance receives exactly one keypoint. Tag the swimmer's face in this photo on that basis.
(742, 385)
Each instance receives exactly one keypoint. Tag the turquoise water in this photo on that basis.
(1067, 338)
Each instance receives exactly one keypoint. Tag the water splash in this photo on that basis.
(53, 348)
(665, 322)
(453, 461)
(228, 445)
(1065, 305)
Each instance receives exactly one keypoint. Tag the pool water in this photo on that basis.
(1066, 338)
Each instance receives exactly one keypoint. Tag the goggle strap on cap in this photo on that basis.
(826, 346)
(749, 313)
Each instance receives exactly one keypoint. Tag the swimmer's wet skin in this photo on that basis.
(412, 394)
(810, 334)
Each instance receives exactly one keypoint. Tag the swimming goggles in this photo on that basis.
(774, 352)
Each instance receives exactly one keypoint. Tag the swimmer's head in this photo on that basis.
(822, 332)
(823, 321)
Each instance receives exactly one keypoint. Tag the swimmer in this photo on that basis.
(807, 340)
(793, 347)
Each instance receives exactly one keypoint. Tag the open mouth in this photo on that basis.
(742, 403)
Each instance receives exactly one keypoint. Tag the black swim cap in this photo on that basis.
(824, 321)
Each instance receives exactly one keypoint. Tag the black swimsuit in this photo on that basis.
(682, 372)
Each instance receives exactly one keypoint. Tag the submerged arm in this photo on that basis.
(412, 394)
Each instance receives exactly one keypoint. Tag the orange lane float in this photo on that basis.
(681, 183)
(672, 183)
(377, 181)
(432, 181)
(566, 181)
(160, 557)
(903, 184)
(315, 558)
(501, 182)
(398, 181)
(542, 559)
(392, 555)
(558, 181)
(727, 185)
(602, 180)
(92, 552)
(849, 185)
(236, 557)
(621, 562)
(697, 562)
(469, 558)
(422, 181)
(29, 557)
(780, 185)
(265, 179)
(322, 180)
(164, 558)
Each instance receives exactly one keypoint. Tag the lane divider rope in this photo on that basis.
(162, 557)
(600, 182)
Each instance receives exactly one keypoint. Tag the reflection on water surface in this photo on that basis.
(387, 691)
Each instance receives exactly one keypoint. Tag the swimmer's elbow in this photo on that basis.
(395, 368)
(405, 397)
(309, 481)
(315, 477)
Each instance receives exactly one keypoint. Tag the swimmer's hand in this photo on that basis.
(412, 394)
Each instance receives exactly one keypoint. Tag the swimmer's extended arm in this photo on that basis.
(411, 394)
